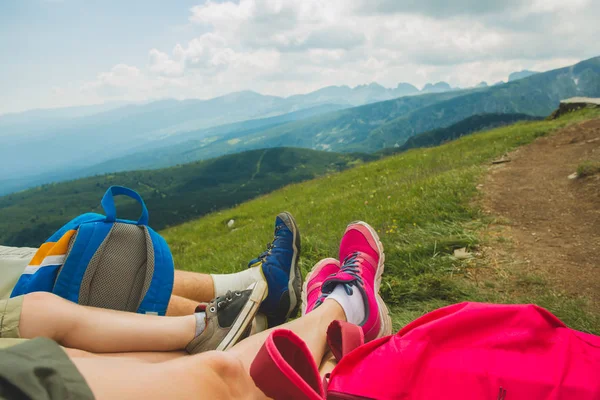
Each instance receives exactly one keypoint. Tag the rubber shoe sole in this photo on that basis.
(295, 280)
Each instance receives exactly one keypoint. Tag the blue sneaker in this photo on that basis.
(281, 271)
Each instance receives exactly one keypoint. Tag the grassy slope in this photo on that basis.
(421, 204)
(173, 195)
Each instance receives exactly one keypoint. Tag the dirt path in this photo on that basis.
(553, 221)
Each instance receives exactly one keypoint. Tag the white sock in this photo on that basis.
(238, 281)
(200, 322)
(353, 305)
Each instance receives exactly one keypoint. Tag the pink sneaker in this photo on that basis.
(362, 268)
(311, 292)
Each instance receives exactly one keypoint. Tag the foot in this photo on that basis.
(361, 269)
(311, 292)
(279, 264)
(228, 319)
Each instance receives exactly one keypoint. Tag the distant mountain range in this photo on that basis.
(536, 95)
(362, 94)
(80, 142)
(372, 127)
(44, 145)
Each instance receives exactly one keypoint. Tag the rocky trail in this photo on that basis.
(552, 218)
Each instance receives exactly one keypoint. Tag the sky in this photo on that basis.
(57, 53)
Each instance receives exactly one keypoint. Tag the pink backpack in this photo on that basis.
(464, 351)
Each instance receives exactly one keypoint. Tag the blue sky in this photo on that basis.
(75, 52)
(47, 44)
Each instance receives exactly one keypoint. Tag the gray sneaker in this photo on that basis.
(228, 319)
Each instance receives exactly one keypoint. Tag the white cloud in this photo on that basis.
(120, 77)
(162, 64)
(290, 46)
(552, 6)
(124, 82)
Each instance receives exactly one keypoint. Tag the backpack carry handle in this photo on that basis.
(108, 203)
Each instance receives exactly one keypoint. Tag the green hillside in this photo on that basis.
(537, 95)
(476, 123)
(173, 195)
(420, 202)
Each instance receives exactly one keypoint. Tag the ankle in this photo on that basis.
(237, 281)
(351, 302)
(332, 309)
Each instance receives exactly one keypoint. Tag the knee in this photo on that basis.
(41, 300)
(223, 364)
(229, 379)
(46, 314)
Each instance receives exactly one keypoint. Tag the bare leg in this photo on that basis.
(209, 375)
(179, 306)
(327, 364)
(311, 328)
(142, 356)
(100, 331)
(194, 286)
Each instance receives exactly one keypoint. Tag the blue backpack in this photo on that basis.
(102, 261)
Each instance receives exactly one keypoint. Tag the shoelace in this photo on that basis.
(270, 246)
(223, 301)
(351, 267)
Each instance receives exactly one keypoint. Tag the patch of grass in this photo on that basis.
(571, 311)
(527, 280)
(522, 288)
(588, 168)
(420, 202)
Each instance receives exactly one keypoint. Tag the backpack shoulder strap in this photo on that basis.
(156, 298)
(89, 237)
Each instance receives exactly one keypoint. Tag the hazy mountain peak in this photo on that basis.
(406, 85)
(436, 87)
(521, 74)
(375, 85)
(244, 94)
(372, 86)
(482, 84)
